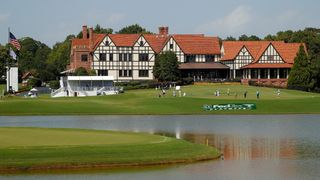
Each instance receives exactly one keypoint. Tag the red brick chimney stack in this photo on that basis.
(163, 31)
(91, 38)
(90, 33)
(84, 32)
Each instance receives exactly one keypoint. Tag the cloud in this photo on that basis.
(234, 21)
(115, 18)
(4, 18)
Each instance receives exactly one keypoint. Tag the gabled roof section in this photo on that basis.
(288, 51)
(155, 41)
(126, 40)
(197, 44)
(232, 48)
(96, 39)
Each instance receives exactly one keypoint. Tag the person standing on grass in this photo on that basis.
(258, 94)
(245, 94)
(278, 92)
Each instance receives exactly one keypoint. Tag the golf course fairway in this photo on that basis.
(26, 149)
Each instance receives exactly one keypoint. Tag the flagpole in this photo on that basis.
(8, 64)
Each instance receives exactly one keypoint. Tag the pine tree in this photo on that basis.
(300, 75)
(166, 67)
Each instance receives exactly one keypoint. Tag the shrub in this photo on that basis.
(34, 82)
(137, 84)
(54, 84)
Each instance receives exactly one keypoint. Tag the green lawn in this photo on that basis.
(43, 148)
(148, 102)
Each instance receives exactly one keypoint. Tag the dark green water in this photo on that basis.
(254, 146)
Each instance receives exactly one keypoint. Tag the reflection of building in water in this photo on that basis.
(246, 147)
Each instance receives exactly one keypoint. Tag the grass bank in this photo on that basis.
(147, 102)
(24, 149)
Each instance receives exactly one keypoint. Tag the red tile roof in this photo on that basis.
(97, 38)
(287, 51)
(156, 41)
(197, 44)
(124, 39)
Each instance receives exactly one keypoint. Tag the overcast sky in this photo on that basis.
(51, 21)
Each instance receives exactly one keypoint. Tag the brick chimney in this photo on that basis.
(91, 38)
(163, 31)
(84, 32)
(90, 32)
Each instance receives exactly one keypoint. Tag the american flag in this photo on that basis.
(14, 41)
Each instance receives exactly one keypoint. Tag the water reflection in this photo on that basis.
(243, 148)
(254, 147)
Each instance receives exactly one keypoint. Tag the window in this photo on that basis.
(111, 57)
(190, 58)
(107, 43)
(209, 58)
(84, 57)
(102, 72)
(125, 57)
(125, 73)
(171, 46)
(143, 57)
(102, 56)
(143, 73)
(141, 43)
(130, 57)
(270, 57)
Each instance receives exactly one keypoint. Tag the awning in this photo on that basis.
(67, 71)
(211, 65)
(90, 78)
(262, 65)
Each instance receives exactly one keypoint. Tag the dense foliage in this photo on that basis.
(46, 63)
(134, 29)
(166, 67)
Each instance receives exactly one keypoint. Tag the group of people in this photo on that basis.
(245, 93)
(176, 92)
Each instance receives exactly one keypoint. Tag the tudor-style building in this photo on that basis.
(266, 62)
(132, 56)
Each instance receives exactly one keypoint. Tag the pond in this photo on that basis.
(254, 146)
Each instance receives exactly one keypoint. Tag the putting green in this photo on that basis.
(24, 149)
(28, 137)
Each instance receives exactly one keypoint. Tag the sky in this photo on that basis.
(50, 21)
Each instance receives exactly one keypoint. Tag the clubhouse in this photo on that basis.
(132, 56)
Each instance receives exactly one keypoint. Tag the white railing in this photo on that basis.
(54, 93)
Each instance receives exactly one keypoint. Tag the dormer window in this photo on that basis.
(171, 46)
(141, 43)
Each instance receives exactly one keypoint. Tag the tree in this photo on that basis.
(249, 38)
(133, 29)
(33, 56)
(5, 59)
(300, 74)
(59, 58)
(80, 71)
(230, 38)
(97, 29)
(166, 67)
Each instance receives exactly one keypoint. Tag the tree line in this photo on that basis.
(46, 63)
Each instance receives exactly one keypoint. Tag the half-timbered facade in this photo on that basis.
(267, 62)
(132, 56)
(125, 57)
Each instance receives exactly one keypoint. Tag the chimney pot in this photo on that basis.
(84, 32)
(164, 30)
